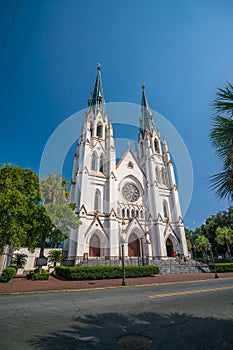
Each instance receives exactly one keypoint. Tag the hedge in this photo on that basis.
(7, 274)
(102, 272)
(38, 275)
(222, 267)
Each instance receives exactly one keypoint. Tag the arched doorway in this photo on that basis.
(169, 247)
(133, 246)
(94, 246)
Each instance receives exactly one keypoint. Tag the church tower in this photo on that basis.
(93, 182)
(163, 209)
(134, 202)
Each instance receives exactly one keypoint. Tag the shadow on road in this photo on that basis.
(171, 331)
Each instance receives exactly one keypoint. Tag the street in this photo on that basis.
(195, 315)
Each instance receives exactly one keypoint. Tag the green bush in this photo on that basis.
(7, 274)
(14, 267)
(222, 267)
(103, 272)
(38, 275)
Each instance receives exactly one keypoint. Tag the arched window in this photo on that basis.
(128, 214)
(141, 214)
(99, 132)
(102, 163)
(132, 213)
(163, 174)
(91, 129)
(137, 213)
(94, 162)
(156, 145)
(97, 200)
(157, 177)
(123, 212)
(165, 210)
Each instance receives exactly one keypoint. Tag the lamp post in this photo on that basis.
(123, 253)
(123, 262)
(142, 251)
(212, 257)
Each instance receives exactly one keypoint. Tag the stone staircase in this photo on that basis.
(171, 266)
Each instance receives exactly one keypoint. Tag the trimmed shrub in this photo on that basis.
(14, 267)
(222, 267)
(103, 272)
(7, 274)
(38, 275)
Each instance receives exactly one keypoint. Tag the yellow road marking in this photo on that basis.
(164, 295)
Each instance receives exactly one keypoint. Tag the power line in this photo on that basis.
(10, 26)
(22, 45)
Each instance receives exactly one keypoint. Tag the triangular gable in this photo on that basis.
(94, 221)
(128, 151)
(131, 224)
(168, 226)
(82, 209)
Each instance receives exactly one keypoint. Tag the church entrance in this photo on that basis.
(94, 246)
(169, 247)
(133, 246)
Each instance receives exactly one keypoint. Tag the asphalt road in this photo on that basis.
(174, 316)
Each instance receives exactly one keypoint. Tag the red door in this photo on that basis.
(133, 246)
(94, 247)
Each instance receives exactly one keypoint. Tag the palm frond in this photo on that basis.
(222, 183)
(224, 100)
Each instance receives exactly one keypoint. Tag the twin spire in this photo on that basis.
(97, 102)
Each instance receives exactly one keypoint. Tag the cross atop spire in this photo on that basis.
(146, 120)
(96, 100)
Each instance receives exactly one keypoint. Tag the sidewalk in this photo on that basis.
(22, 285)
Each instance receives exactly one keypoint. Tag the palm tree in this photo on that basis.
(221, 137)
(55, 256)
(202, 245)
(54, 188)
(19, 259)
(225, 237)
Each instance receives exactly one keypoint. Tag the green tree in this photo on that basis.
(61, 213)
(201, 244)
(225, 237)
(19, 199)
(221, 137)
(55, 256)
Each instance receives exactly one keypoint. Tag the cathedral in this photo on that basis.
(131, 205)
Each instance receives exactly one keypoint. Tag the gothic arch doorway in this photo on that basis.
(94, 246)
(169, 247)
(133, 245)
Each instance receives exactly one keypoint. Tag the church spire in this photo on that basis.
(96, 100)
(146, 120)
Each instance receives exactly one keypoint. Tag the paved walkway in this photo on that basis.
(22, 285)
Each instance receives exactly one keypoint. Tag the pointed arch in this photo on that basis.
(169, 247)
(101, 167)
(94, 246)
(165, 209)
(99, 132)
(132, 213)
(156, 145)
(97, 200)
(123, 212)
(164, 177)
(91, 129)
(157, 175)
(133, 245)
(94, 161)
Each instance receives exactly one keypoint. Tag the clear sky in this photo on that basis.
(181, 49)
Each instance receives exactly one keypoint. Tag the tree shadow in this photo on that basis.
(167, 331)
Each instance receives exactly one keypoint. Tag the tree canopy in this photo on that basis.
(221, 137)
(29, 217)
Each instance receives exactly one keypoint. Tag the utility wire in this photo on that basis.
(10, 26)
(22, 45)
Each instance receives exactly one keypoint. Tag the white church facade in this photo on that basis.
(132, 203)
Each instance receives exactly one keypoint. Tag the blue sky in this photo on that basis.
(182, 50)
